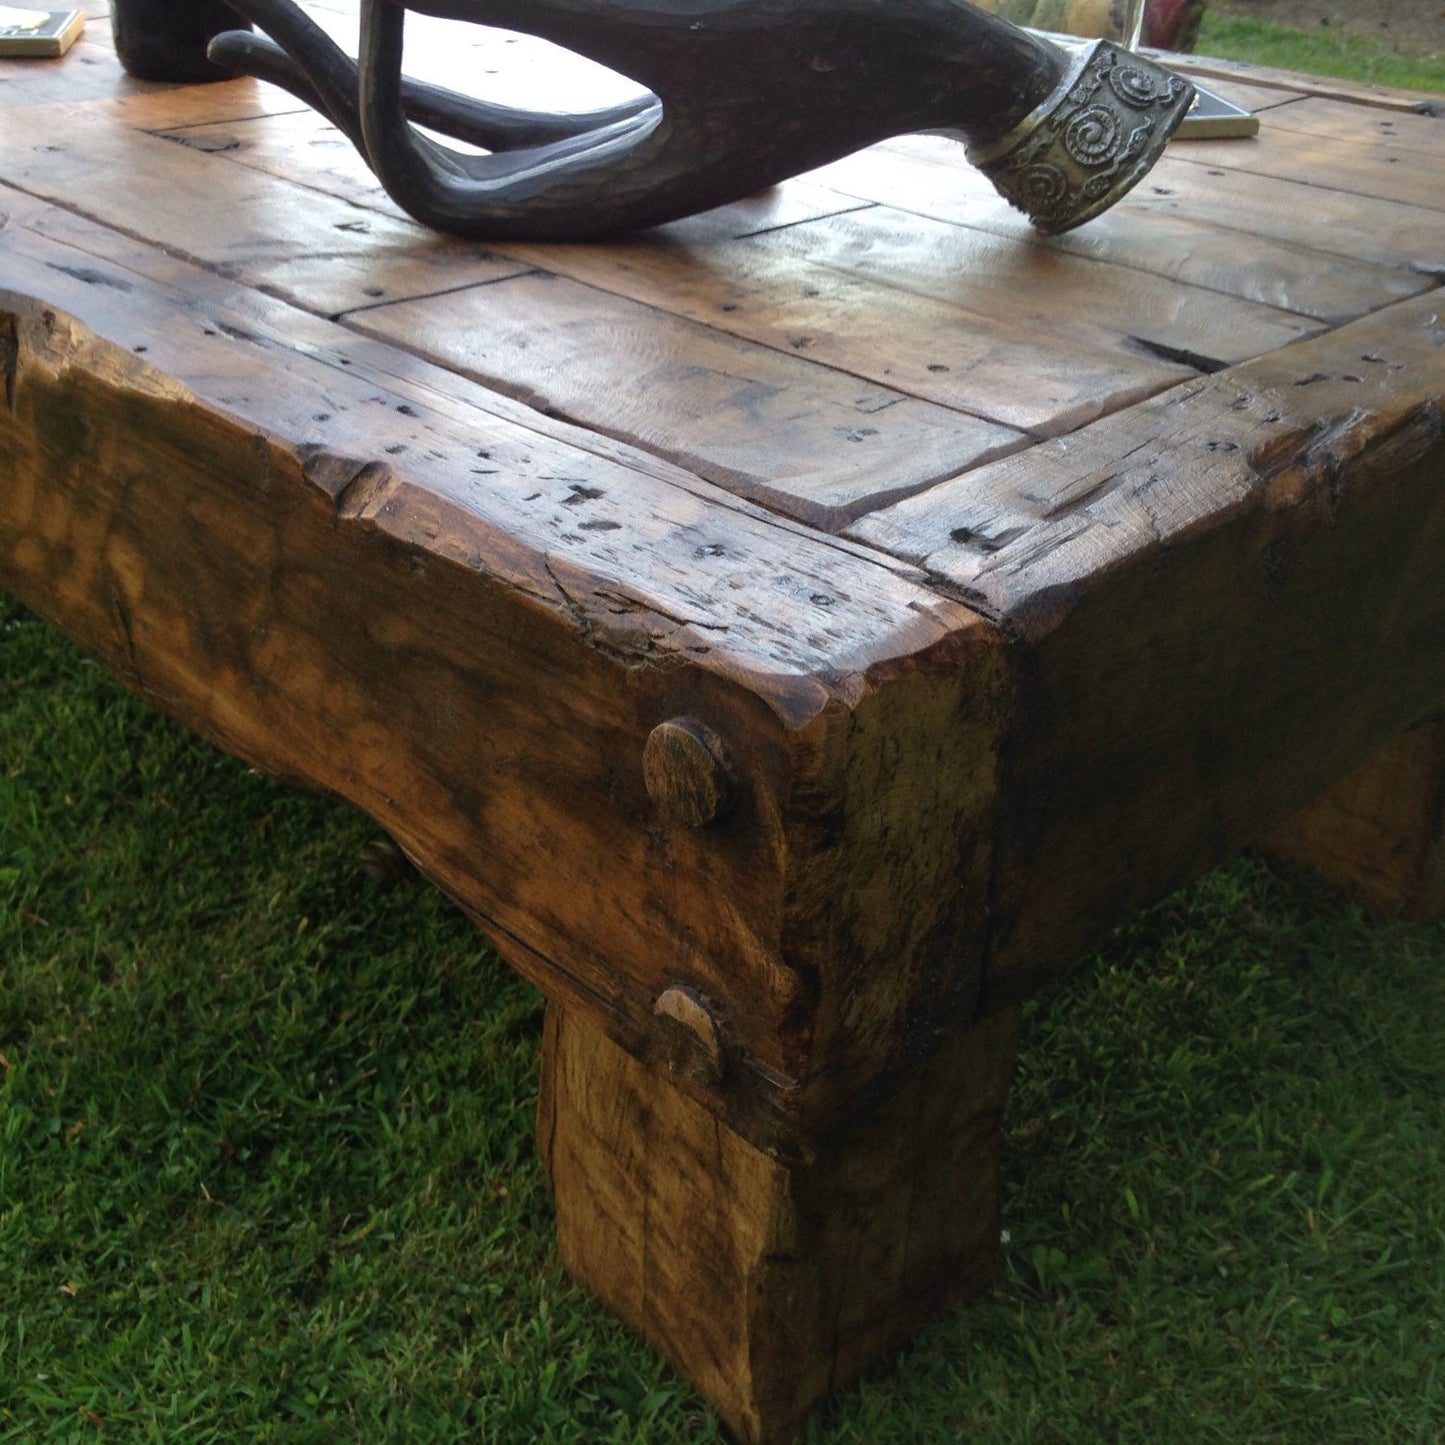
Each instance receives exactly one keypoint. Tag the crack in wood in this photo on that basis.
(91, 276)
(9, 356)
(1180, 356)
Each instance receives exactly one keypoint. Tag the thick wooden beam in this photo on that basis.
(1379, 835)
(769, 1284)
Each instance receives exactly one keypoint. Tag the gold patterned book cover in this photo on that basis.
(44, 33)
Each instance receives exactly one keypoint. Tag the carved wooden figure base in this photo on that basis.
(1379, 835)
(766, 1284)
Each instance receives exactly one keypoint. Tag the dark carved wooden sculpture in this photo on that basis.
(742, 95)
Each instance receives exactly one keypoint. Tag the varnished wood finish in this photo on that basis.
(790, 634)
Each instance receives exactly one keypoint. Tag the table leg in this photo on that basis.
(1380, 834)
(771, 1284)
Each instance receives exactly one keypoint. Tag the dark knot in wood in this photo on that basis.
(740, 94)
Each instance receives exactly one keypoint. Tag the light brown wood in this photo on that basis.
(429, 509)
(1339, 121)
(1339, 227)
(1379, 834)
(528, 552)
(770, 1284)
(1369, 165)
(818, 444)
(282, 237)
(1023, 335)
(1179, 225)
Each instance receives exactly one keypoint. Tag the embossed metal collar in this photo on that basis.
(1090, 141)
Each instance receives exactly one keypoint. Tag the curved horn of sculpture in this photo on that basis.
(741, 95)
(304, 60)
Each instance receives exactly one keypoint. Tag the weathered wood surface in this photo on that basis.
(1380, 166)
(769, 1284)
(1195, 579)
(1379, 834)
(788, 634)
(821, 350)
(482, 529)
(1330, 257)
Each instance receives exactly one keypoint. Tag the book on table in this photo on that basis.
(43, 33)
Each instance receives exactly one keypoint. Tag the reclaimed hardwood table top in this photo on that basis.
(807, 626)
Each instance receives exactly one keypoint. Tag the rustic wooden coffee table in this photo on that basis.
(793, 635)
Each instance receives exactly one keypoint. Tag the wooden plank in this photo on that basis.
(289, 240)
(1368, 166)
(1209, 635)
(1030, 375)
(421, 385)
(252, 371)
(1319, 253)
(923, 175)
(1019, 335)
(296, 242)
(89, 70)
(813, 443)
(1355, 228)
(1059, 514)
(1339, 120)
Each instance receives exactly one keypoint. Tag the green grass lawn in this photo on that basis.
(267, 1170)
(1319, 52)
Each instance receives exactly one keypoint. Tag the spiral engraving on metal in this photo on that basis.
(1090, 141)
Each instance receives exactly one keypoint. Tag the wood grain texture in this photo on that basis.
(815, 443)
(1012, 372)
(273, 235)
(1149, 741)
(1091, 337)
(1379, 834)
(1180, 225)
(1023, 336)
(772, 1285)
(1374, 166)
(89, 70)
(1226, 208)
(1343, 227)
(1339, 121)
(641, 595)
